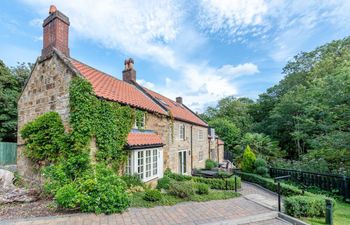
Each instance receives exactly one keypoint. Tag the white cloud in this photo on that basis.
(202, 85)
(146, 84)
(235, 18)
(236, 71)
(154, 30)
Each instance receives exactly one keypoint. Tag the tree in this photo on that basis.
(261, 145)
(227, 131)
(11, 83)
(248, 160)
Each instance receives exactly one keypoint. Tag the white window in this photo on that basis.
(182, 162)
(128, 166)
(182, 131)
(140, 164)
(200, 135)
(200, 155)
(140, 122)
(145, 163)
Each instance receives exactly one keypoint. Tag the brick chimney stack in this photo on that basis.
(179, 100)
(56, 29)
(129, 74)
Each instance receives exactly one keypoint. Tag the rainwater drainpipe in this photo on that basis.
(191, 148)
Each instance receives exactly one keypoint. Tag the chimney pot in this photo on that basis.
(179, 100)
(52, 9)
(129, 74)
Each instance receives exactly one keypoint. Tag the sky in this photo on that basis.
(199, 50)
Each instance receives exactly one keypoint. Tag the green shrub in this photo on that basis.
(268, 183)
(262, 171)
(260, 162)
(202, 189)
(248, 160)
(163, 183)
(135, 189)
(68, 196)
(152, 195)
(179, 177)
(104, 192)
(132, 180)
(45, 138)
(307, 206)
(210, 164)
(181, 189)
(217, 183)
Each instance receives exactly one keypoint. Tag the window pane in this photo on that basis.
(184, 162)
(155, 162)
(140, 171)
(148, 163)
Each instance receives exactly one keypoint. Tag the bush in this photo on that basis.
(104, 192)
(260, 162)
(179, 177)
(248, 160)
(132, 180)
(268, 183)
(307, 206)
(152, 195)
(262, 171)
(163, 183)
(45, 138)
(134, 189)
(202, 189)
(181, 189)
(210, 164)
(68, 196)
(217, 183)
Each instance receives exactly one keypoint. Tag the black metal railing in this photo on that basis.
(327, 182)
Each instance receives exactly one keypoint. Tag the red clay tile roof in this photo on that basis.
(178, 110)
(142, 139)
(220, 142)
(113, 89)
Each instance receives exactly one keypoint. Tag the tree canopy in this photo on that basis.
(307, 114)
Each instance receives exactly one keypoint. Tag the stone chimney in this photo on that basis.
(129, 74)
(179, 100)
(56, 29)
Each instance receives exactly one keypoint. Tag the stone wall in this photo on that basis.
(47, 90)
(173, 143)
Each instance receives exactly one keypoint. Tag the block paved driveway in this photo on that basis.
(215, 212)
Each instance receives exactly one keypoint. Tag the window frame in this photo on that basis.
(150, 163)
(182, 130)
(200, 135)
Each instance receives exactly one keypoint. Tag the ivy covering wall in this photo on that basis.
(76, 176)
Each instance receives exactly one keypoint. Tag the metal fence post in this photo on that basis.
(279, 196)
(329, 212)
(235, 183)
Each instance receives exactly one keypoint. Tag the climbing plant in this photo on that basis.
(71, 178)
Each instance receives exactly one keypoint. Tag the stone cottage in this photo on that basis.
(171, 135)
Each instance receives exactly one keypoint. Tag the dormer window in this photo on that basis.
(182, 131)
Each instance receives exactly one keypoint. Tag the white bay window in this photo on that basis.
(145, 163)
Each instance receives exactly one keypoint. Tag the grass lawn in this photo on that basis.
(138, 201)
(341, 215)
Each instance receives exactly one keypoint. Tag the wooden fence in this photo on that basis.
(8, 153)
(327, 182)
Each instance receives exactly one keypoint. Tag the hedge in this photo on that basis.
(268, 183)
(308, 206)
(296, 203)
(214, 183)
(217, 183)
